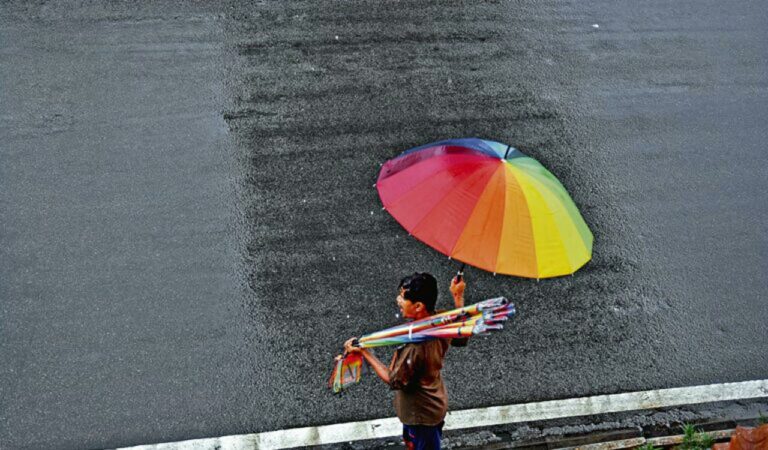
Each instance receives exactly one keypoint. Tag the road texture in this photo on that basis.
(189, 231)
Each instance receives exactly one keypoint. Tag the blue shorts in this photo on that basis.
(422, 437)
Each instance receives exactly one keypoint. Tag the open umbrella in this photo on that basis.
(488, 205)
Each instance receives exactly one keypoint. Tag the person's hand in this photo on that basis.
(457, 290)
(349, 348)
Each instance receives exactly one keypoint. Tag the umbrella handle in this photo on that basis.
(460, 273)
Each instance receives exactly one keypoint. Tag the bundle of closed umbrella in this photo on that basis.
(480, 318)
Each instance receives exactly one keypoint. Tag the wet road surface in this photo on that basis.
(189, 228)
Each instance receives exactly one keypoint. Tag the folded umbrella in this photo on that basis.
(438, 319)
(480, 318)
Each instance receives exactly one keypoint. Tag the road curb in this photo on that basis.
(661, 437)
(386, 429)
(599, 441)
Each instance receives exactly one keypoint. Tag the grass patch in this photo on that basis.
(695, 439)
(648, 446)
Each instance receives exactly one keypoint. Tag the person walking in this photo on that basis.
(421, 399)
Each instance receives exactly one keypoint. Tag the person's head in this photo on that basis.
(419, 295)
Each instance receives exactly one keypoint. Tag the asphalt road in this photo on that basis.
(188, 227)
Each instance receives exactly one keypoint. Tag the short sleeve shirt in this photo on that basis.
(420, 395)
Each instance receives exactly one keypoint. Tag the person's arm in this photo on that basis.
(378, 367)
(457, 290)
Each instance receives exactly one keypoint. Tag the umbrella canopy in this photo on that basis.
(488, 205)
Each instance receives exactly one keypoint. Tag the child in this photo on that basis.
(421, 400)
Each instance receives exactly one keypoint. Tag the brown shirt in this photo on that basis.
(414, 374)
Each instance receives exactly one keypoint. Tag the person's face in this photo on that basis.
(409, 309)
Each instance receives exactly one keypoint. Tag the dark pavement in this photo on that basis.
(188, 227)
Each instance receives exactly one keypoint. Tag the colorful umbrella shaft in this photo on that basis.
(476, 320)
(486, 204)
(416, 326)
(488, 317)
(461, 330)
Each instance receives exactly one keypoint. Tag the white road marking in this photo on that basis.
(481, 417)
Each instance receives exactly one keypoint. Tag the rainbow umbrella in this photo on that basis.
(486, 204)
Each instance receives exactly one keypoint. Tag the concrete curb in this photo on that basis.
(386, 430)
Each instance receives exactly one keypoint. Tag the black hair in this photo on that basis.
(420, 287)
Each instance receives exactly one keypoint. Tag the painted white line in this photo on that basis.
(481, 417)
